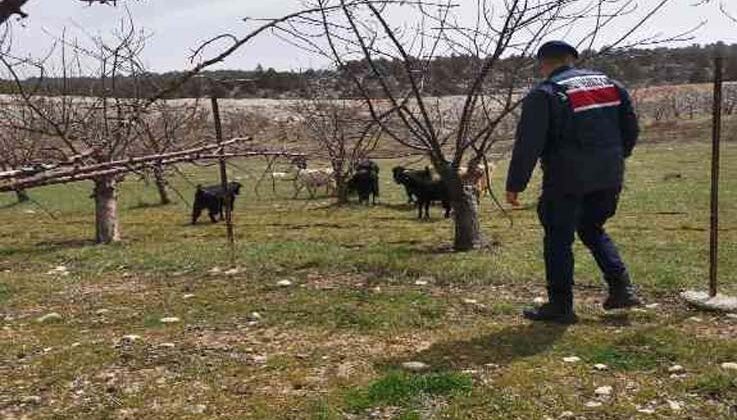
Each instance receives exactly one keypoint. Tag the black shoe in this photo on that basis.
(622, 299)
(551, 313)
(622, 294)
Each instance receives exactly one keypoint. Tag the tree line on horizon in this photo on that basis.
(445, 75)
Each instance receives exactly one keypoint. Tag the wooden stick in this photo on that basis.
(227, 198)
(715, 157)
(50, 174)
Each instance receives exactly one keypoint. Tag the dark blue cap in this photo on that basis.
(556, 48)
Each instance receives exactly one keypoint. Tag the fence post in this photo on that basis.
(715, 166)
(223, 173)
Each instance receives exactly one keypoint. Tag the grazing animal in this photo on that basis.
(368, 165)
(422, 174)
(425, 190)
(365, 182)
(313, 179)
(212, 198)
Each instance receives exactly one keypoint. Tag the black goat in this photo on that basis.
(417, 174)
(425, 190)
(365, 182)
(212, 198)
(368, 165)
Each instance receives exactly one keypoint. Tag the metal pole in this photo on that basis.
(715, 157)
(223, 171)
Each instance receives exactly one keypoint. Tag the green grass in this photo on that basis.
(716, 385)
(331, 345)
(402, 389)
(4, 292)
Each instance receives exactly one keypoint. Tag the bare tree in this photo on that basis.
(9, 8)
(104, 124)
(340, 131)
(167, 127)
(389, 63)
(19, 148)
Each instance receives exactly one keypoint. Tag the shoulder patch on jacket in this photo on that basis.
(587, 92)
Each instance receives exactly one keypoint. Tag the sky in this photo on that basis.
(178, 26)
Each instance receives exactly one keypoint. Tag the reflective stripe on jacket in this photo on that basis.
(581, 126)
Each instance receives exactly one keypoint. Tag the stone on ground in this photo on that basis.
(676, 369)
(131, 338)
(169, 320)
(604, 391)
(702, 300)
(675, 405)
(729, 366)
(52, 317)
(415, 366)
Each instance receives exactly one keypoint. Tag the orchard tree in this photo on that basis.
(364, 38)
(105, 126)
(339, 130)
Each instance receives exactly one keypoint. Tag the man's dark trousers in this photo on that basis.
(562, 216)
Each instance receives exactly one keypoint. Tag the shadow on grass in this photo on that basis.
(11, 205)
(47, 247)
(616, 319)
(65, 244)
(143, 206)
(305, 226)
(399, 207)
(502, 347)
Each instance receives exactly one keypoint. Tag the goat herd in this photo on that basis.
(421, 186)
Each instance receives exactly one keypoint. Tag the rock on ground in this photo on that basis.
(170, 320)
(729, 366)
(51, 317)
(676, 369)
(604, 391)
(702, 300)
(415, 366)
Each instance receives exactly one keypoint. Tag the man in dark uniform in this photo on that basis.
(581, 126)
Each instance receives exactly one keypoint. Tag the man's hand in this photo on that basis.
(513, 198)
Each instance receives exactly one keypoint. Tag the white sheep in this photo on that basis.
(313, 179)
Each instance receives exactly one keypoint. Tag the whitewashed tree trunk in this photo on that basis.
(466, 217)
(160, 180)
(106, 210)
(467, 229)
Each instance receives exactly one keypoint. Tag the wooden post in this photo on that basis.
(223, 173)
(715, 166)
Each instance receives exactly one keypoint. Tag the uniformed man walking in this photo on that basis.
(581, 126)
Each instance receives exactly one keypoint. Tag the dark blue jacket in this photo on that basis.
(581, 126)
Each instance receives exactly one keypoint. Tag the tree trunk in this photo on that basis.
(467, 229)
(341, 187)
(106, 210)
(22, 196)
(466, 217)
(160, 180)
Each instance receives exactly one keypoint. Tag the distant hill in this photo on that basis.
(447, 75)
